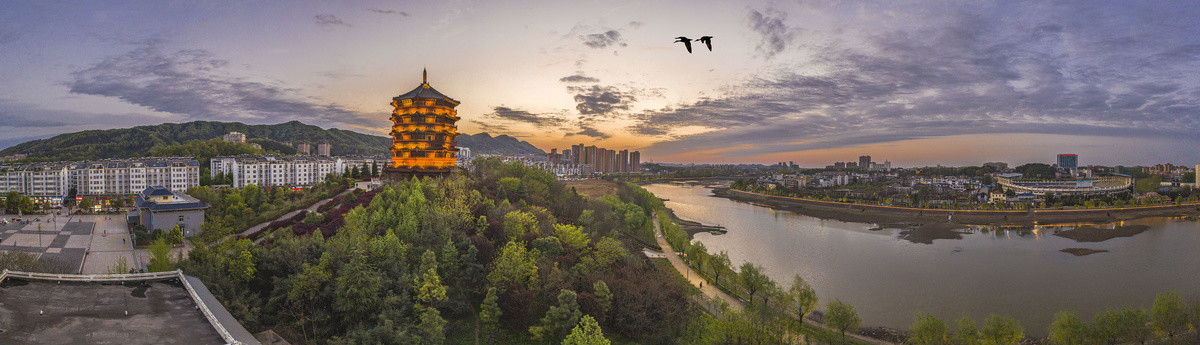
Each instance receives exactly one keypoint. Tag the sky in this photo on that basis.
(812, 82)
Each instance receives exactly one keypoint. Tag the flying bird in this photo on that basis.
(687, 42)
(707, 42)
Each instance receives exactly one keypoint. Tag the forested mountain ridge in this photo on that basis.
(138, 141)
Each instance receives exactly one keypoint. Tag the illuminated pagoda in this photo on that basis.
(423, 132)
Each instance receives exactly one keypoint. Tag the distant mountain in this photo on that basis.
(137, 141)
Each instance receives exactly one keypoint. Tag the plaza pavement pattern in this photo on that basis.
(88, 243)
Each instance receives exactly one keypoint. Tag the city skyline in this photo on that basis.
(922, 84)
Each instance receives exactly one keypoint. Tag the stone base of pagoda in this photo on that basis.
(404, 174)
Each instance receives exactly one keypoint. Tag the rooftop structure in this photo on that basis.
(146, 308)
(423, 132)
(235, 137)
(160, 208)
(1098, 185)
(1068, 161)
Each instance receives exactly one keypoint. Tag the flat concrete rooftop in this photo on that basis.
(47, 312)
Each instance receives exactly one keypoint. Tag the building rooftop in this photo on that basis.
(117, 311)
(175, 202)
(424, 91)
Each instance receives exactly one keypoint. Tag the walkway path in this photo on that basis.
(312, 208)
(711, 292)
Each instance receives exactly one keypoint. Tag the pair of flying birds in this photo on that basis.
(687, 42)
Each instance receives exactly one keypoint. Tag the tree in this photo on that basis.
(432, 329)
(587, 332)
(600, 289)
(1193, 316)
(559, 319)
(490, 313)
(803, 297)
(965, 332)
(1134, 321)
(517, 223)
(1001, 330)
(719, 263)
(514, 266)
(752, 279)
(1068, 329)
(175, 236)
(842, 317)
(927, 330)
(571, 236)
(86, 204)
(160, 256)
(120, 267)
(430, 290)
(1168, 313)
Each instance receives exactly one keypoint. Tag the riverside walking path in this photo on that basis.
(711, 292)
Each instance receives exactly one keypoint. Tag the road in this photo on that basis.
(712, 293)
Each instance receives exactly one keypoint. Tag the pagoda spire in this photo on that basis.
(424, 76)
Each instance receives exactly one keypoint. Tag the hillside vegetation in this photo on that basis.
(142, 140)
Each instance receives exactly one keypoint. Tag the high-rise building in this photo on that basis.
(303, 148)
(1068, 161)
(635, 161)
(234, 137)
(864, 162)
(623, 161)
(423, 132)
(323, 149)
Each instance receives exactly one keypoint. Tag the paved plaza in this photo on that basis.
(89, 243)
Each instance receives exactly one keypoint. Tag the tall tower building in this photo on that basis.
(323, 149)
(635, 161)
(423, 132)
(864, 162)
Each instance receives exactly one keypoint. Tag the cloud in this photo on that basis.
(194, 84)
(601, 100)
(518, 115)
(578, 78)
(603, 40)
(955, 73)
(588, 130)
(636, 24)
(393, 12)
(775, 34)
(7, 36)
(329, 20)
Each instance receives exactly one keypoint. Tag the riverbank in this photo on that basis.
(918, 218)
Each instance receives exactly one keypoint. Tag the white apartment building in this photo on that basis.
(292, 171)
(50, 182)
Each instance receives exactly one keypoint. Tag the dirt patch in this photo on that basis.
(1093, 234)
(593, 188)
(1082, 251)
(926, 233)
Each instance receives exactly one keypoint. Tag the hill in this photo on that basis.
(138, 141)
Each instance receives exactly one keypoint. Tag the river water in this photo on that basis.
(1020, 273)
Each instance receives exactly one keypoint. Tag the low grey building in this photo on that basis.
(160, 208)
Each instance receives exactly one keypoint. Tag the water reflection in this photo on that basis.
(1018, 271)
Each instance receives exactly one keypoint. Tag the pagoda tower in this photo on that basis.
(423, 132)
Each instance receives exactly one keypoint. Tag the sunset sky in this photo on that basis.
(923, 82)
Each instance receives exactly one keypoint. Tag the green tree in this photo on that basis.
(966, 332)
(11, 200)
(1193, 317)
(1168, 314)
(514, 266)
(1068, 329)
(571, 236)
(86, 204)
(160, 256)
(718, 264)
(175, 236)
(587, 332)
(490, 313)
(752, 279)
(803, 297)
(1001, 330)
(927, 330)
(430, 290)
(1136, 322)
(432, 329)
(357, 288)
(559, 319)
(119, 267)
(603, 294)
(842, 318)
(518, 223)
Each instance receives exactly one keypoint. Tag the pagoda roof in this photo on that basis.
(424, 91)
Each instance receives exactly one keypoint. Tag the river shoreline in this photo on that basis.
(917, 218)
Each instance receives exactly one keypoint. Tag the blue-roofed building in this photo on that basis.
(159, 208)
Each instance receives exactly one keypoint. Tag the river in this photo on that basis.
(1020, 273)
